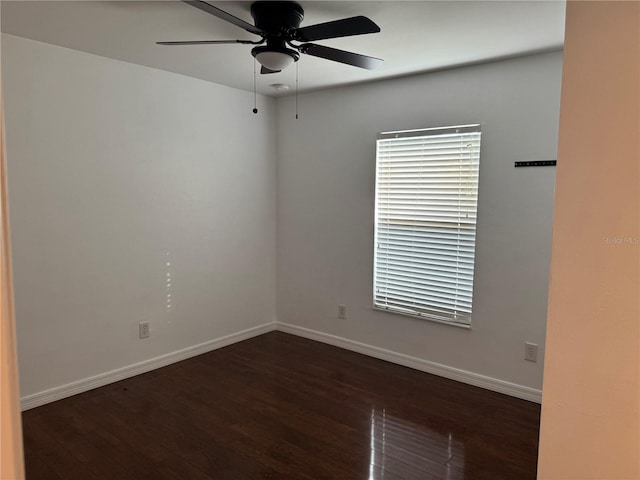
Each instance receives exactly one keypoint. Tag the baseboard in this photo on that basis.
(464, 376)
(58, 393)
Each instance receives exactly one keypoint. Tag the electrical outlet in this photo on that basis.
(531, 352)
(143, 329)
(342, 311)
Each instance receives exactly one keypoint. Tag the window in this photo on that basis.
(425, 225)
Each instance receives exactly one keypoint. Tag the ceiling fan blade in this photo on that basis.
(207, 42)
(264, 70)
(341, 56)
(338, 28)
(215, 11)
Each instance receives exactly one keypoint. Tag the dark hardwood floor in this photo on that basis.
(282, 407)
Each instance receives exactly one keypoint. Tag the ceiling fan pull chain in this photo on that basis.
(255, 95)
(296, 90)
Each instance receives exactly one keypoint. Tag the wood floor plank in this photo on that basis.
(36, 467)
(280, 407)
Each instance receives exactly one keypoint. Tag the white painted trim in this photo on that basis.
(464, 376)
(63, 391)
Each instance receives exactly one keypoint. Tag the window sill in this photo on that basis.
(424, 317)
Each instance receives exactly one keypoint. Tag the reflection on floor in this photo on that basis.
(394, 440)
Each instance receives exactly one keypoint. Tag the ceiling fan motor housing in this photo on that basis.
(277, 17)
(278, 20)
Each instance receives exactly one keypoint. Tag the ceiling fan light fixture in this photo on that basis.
(275, 59)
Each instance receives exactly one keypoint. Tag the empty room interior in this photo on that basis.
(321, 240)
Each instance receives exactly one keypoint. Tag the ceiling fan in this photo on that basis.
(278, 23)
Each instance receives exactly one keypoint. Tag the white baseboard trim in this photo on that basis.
(58, 393)
(464, 376)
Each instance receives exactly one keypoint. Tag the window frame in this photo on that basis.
(436, 315)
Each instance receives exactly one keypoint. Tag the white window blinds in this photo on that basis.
(425, 226)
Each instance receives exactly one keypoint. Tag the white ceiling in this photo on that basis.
(416, 36)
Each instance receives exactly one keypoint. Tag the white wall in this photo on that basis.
(115, 170)
(326, 171)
